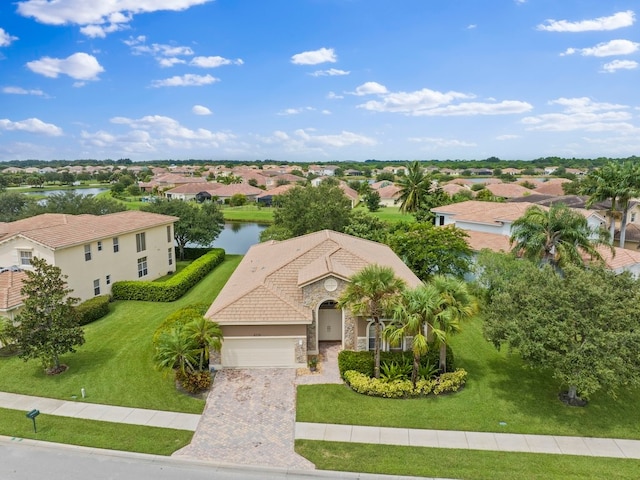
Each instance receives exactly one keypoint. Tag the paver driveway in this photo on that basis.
(249, 420)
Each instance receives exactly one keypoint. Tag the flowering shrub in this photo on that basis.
(445, 383)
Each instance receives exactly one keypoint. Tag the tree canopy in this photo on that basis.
(47, 326)
(199, 223)
(582, 325)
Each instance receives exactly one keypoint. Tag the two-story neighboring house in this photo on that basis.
(93, 251)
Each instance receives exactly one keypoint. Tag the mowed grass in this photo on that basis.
(115, 365)
(390, 214)
(248, 213)
(90, 433)
(499, 389)
(467, 464)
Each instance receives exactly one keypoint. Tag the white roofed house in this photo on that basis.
(280, 302)
(93, 251)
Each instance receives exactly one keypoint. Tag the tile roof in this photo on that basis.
(552, 187)
(493, 241)
(194, 187)
(10, 286)
(266, 288)
(56, 230)
(276, 191)
(508, 190)
(236, 189)
(389, 192)
(491, 213)
(621, 259)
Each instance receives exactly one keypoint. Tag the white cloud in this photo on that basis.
(616, 65)
(436, 142)
(214, 62)
(32, 125)
(170, 62)
(329, 73)
(342, 139)
(315, 57)
(507, 137)
(582, 114)
(613, 22)
(165, 55)
(22, 91)
(187, 80)
(370, 88)
(201, 110)
(98, 17)
(334, 96)
(80, 66)
(295, 111)
(606, 49)
(5, 38)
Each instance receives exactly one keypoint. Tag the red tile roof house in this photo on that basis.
(11, 299)
(280, 302)
(93, 251)
(189, 191)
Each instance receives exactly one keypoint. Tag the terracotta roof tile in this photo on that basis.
(508, 190)
(10, 286)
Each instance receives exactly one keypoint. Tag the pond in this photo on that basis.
(77, 191)
(237, 237)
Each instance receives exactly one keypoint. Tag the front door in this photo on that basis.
(329, 324)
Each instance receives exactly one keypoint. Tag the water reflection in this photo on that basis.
(237, 237)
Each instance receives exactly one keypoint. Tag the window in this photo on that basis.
(116, 245)
(170, 252)
(87, 252)
(633, 217)
(25, 257)
(169, 233)
(96, 287)
(108, 279)
(99, 246)
(142, 267)
(141, 243)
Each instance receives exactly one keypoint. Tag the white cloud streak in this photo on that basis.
(606, 49)
(22, 91)
(616, 65)
(315, 57)
(6, 39)
(186, 80)
(613, 22)
(200, 110)
(332, 72)
(80, 66)
(214, 62)
(31, 125)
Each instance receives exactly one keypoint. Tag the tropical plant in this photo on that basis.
(414, 186)
(557, 235)
(371, 293)
(414, 316)
(600, 185)
(456, 305)
(177, 351)
(206, 334)
(390, 371)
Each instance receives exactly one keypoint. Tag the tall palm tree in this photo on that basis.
(414, 316)
(600, 185)
(558, 236)
(206, 334)
(456, 305)
(627, 188)
(414, 186)
(371, 293)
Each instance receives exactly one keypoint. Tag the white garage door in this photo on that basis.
(258, 352)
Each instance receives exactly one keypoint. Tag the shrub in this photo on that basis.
(195, 382)
(173, 288)
(179, 318)
(390, 371)
(363, 361)
(93, 309)
(447, 382)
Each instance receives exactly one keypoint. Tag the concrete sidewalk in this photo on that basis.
(105, 413)
(504, 442)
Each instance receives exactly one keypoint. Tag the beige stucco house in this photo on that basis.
(93, 251)
(281, 300)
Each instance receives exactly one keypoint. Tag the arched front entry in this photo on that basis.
(330, 328)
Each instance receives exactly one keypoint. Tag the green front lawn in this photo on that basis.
(390, 214)
(91, 433)
(467, 464)
(248, 213)
(499, 389)
(115, 364)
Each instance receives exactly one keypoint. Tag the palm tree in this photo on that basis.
(627, 187)
(371, 293)
(206, 334)
(414, 186)
(558, 236)
(456, 305)
(600, 185)
(414, 316)
(176, 351)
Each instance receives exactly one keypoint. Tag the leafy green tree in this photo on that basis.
(388, 176)
(372, 293)
(67, 178)
(237, 200)
(369, 227)
(372, 200)
(6, 340)
(435, 197)
(73, 203)
(199, 223)
(309, 209)
(47, 325)
(558, 235)
(581, 325)
(456, 305)
(414, 187)
(414, 316)
(14, 206)
(429, 250)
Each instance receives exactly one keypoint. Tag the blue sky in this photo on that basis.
(319, 80)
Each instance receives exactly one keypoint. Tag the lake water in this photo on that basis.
(237, 237)
(78, 191)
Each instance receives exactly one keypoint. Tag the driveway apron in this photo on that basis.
(249, 419)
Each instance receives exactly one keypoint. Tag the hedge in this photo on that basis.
(363, 361)
(173, 288)
(93, 309)
(445, 383)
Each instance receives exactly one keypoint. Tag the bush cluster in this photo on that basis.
(173, 288)
(445, 383)
(363, 361)
(93, 309)
(195, 382)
